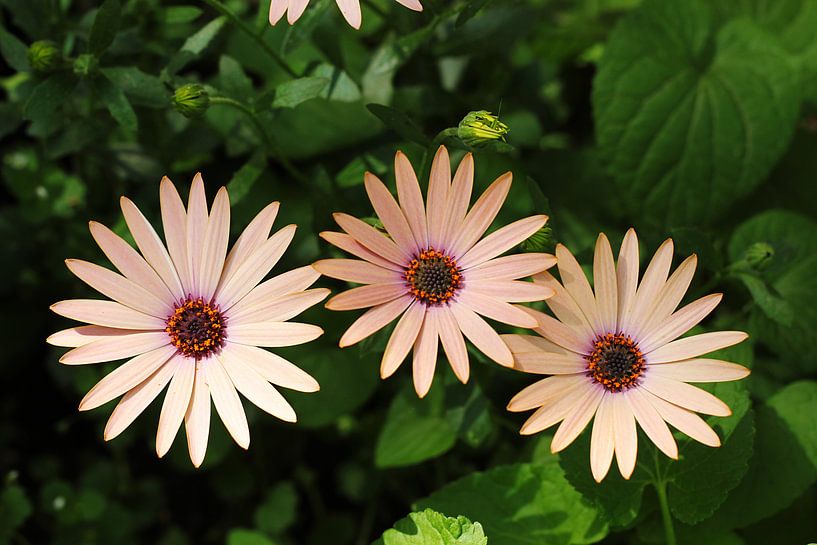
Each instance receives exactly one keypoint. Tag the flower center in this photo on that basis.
(616, 362)
(433, 277)
(196, 328)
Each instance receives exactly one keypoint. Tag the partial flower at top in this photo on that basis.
(616, 354)
(191, 316)
(433, 269)
(349, 8)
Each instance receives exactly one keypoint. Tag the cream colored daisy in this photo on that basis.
(349, 8)
(191, 317)
(616, 354)
(435, 270)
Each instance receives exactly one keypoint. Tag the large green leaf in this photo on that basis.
(691, 116)
(106, 24)
(522, 504)
(48, 96)
(431, 528)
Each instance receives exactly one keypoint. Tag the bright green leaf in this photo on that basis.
(432, 528)
(247, 537)
(292, 93)
(175, 15)
(195, 45)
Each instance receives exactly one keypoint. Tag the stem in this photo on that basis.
(244, 27)
(666, 516)
(259, 127)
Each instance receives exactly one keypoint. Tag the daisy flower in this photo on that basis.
(191, 317)
(616, 354)
(349, 8)
(433, 270)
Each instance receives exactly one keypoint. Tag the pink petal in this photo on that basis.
(177, 399)
(372, 239)
(577, 420)
(604, 282)
(655, 277)
(672, 293)
(390, 213)
(174, 221)
(119, 288)
(107, 313)
(116, 348)
(349, 244)
(438, 189)
(481, 335)
(544, 363)
(251, 239)
(255, 268)
(511, 267)
(354, 270)
(374, 319)
(526, 344)
(577, 286)
(546, 392)
(627, 277)
(255, 388)
(466, 233)
(228, 404)
(216, 240)
(459, 199)
(602, 440)
(686, 421)
(126, 377)
(293, 281)
(453, 342)
(128, 261)
(696, 345)
(196, 231)
(197, 417)
(680, 322)
(136, 400)
(296, 9)
(561, 334)
(350, 9)
(556, 410)
(366, 296)
(277, 9)
(502, 240)
(152, 248)
(402, 339)
(564, 306)
(273, 334)
(411, 4)
(278, 309)
(513, 291)
(626, 436)
(684, 395)
(425, 355)
(411, 200)
(700, 370)
(272, 367)
(651, 422)
(82, 335)
(496, 309)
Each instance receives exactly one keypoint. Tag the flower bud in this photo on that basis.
(191, 100)
(540, 241)
(85, 64)
(759, 255)
(479, 128)
(44, 56)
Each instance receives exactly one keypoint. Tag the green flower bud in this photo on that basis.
(540, 241)
(191, 100)
(759, 255)
(85, 64)
(44, 56)
(479, 128)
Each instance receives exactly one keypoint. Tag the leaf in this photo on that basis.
(377, 81)
(470, 9)
(105, 27)
(142, 89)
(242, 181)
(175, 15)
(431, 528)
(48, 96)
(233, 80)
(292, 93)
(773, 306)
(691, 117)
(399, 122)
(790, 275)
(278, 511)
(240, 536)
(522, 504)
(117, 103)
(14, 52)
(15, 508)
(195, 45)
(415, 430)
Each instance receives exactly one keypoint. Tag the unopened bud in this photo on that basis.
(85, 64)
(481, 127)
(44, 56)
(759, 255)
(191, 100)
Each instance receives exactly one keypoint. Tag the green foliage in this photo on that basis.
(432, 528)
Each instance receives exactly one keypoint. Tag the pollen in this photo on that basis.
(616, 362)
(433, 277)
(196, 329)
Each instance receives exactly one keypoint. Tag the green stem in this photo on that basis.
(244, 27)
(666, 516)
(259, 127)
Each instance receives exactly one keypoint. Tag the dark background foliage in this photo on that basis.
(690, 119)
